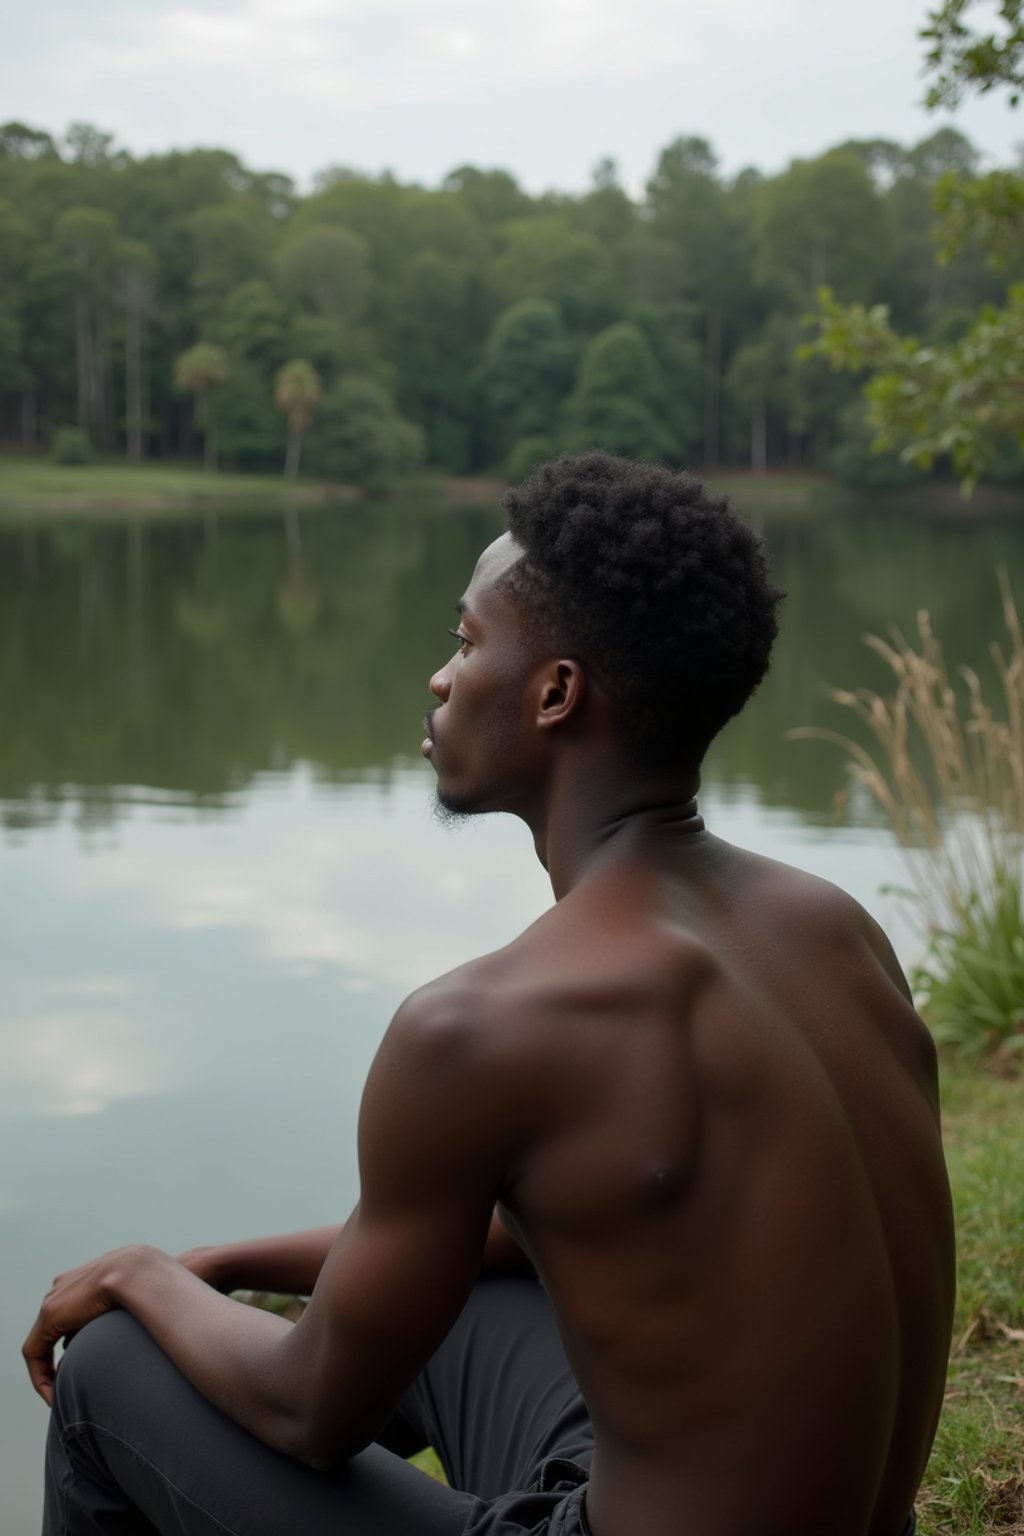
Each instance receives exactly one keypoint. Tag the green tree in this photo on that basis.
(618, 399)
(961, 401)
(297, 392)
(197, 371)
(359, 438)
(136, 271)
(229, 247)
(961, 59)
(543, 258)
(821, 222)
(965, 399)
(526, 373)
(688, 207)
(89, 236)
(325, 268)
(19, 142)
(250, 430)
(254, 323)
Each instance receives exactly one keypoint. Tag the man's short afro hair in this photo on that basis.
(644, 574)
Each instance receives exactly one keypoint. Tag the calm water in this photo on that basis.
(219, 873)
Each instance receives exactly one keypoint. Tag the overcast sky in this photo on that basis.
(544, 88)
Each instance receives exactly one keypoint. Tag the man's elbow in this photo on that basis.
(326, 1448)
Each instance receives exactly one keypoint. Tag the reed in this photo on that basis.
(947, 769)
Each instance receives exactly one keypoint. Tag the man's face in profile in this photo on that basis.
(475, 733)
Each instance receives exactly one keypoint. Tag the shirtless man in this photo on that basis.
(695, 1092)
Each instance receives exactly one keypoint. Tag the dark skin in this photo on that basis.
(699, 1099)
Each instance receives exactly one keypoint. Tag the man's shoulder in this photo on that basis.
(794, 892)
(487, 1011)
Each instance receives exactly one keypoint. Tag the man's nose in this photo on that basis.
(440, 684)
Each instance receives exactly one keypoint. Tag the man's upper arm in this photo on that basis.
(434, 1145)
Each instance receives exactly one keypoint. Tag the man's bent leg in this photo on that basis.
(135, 1449)
(498, 1398)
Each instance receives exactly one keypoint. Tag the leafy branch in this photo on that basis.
(960, 401)
(961, 59)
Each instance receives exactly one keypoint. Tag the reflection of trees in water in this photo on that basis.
(253, 651)
(188, 658)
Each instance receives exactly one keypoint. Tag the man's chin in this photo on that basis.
(451, 810)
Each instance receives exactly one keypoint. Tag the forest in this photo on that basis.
(183, 306)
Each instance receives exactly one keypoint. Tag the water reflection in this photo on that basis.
(190, 657)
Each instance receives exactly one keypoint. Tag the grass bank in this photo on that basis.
(975, 1481)
(33, 483)
(37, 484)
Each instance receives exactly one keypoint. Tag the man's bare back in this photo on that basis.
(757, 1311)
(696, 1091)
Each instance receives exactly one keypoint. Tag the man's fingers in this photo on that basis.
(38, 1353)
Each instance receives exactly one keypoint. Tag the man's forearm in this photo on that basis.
(290, 1263)
(233, 1354)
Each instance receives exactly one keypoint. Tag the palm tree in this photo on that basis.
(297, 390)
(196, 372)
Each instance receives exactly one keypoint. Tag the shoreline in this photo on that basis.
(40, 487)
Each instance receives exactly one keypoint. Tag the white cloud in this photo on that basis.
(544, 88)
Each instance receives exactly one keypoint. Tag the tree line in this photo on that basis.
(180, 304)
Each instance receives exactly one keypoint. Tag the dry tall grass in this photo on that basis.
(947, 769)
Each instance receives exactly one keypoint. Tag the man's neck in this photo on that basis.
(600, 813)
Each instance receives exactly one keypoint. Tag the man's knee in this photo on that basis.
(99, 1359)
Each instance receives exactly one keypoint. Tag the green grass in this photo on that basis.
(975, 1480)
(27, 482)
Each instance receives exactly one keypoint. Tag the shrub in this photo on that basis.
(949, 775)
(71, 445)
(358, 437)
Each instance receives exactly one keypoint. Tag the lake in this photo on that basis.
(219, 870)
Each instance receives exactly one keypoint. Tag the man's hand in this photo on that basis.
(214, 1264)
(74, 1299)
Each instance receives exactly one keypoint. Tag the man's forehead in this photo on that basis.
(494, 562)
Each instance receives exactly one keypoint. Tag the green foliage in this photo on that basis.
(527, 454)
(973, 1485)
(544, 258)
(359, 438)
(526, 372)
(961, 59)
(250, 431)
(962, 400)
(947, 769)
(857, 463)
(989, 211)
(297, 391)
(71, 446)
(618, 399)
(254, 323)
(819, 223)
(200, 368)
(325, 269)
(971, 981)
(474, 305)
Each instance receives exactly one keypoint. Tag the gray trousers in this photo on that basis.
(134, 1449)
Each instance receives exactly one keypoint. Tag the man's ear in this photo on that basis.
(563, 689)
